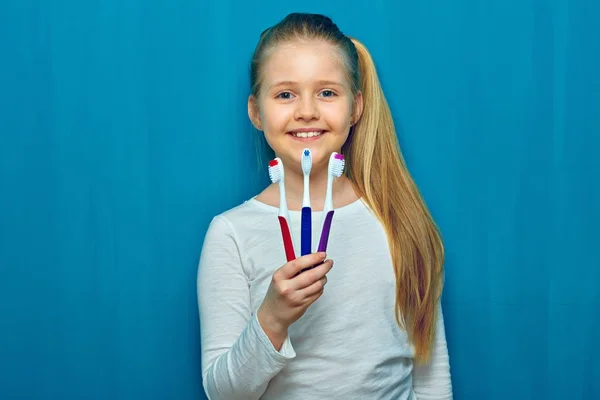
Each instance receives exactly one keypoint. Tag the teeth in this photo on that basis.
(307, 134)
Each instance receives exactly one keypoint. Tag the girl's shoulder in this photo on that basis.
(269, 196)
(249, 213)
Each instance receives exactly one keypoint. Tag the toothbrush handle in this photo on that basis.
(325, 232)
(287, 239)
(306, 227)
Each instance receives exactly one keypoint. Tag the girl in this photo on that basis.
(370, 328)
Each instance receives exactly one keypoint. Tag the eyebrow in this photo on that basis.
(320, 83)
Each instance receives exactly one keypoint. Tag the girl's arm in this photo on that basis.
(432, 381)
(238, 359)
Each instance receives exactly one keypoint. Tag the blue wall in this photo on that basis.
(123, 130)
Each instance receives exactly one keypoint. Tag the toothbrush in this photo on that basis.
(306, 223)
(335, 170)
(277, 175)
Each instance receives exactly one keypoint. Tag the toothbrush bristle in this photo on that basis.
(275, 171)
(306, 161)
(337, 165)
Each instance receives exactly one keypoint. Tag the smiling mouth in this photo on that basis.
(307, 134)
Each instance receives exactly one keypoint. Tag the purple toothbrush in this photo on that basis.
(335, 170)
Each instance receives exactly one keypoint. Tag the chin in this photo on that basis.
(320, 155)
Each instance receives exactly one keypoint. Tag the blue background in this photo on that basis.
(123, 130)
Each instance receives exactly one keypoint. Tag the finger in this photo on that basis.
(316, 287)
(290, 269)
(291, 289)
(312, 298)
(298, 298)
(311, 276)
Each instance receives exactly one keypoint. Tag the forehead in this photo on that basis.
(304, 62)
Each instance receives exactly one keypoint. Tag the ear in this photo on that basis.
(254, 112)
(357, 110)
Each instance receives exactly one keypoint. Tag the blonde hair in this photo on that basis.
(378, 173)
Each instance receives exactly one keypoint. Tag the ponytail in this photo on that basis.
(379, 175)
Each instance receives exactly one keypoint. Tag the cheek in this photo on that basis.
(275, 116)
(339, 115)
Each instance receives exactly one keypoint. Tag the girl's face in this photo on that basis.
(305, 102)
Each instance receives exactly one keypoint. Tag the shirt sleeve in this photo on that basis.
(431, 381)
(238, 359)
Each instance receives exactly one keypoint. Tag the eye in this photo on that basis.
(284, 95)
(328, 93)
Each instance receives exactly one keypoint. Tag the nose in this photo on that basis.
(306, 109)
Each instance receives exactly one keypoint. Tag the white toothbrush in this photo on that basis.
(306, 223)
(334, 170)
(277, 175)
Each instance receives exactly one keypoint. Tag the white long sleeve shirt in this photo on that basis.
(346, 346)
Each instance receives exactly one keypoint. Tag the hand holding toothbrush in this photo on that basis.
(290, 294)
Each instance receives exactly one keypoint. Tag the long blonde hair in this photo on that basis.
(378, 173)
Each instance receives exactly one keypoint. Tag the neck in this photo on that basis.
(294, 186)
